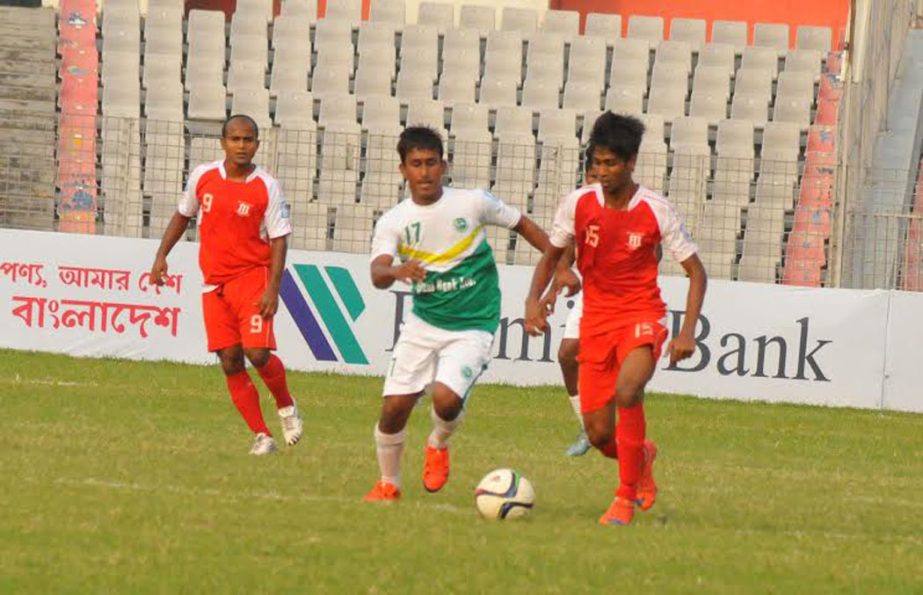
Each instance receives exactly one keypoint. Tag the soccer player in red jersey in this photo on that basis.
(616, 226)
(244, 226)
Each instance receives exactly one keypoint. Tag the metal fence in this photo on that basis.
(755, 218)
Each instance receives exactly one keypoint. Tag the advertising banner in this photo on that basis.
(91, 296)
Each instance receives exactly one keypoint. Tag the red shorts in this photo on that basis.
(232, 313)
(601, 358)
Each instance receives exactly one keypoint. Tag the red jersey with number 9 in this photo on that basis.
(236, 220)
(616, 253)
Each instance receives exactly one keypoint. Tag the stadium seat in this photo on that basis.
(421, 39)
(381, 61)
(625, 99)
(690, 31)
(709, 105)
(480, 18)
(645, 27)
(651, 165)
(305, 10)
(371, 81)
(332, 33)
(254, 103)
(733, 33)
(207, 104)
(713, 80)
(496, 93)
(243, 24)
(631, 49)
(244, 74)
(523, 20)
(607, 27)
(381, 185)
(565, 23)
(813, 38)
(410, 86)
(587, 61)
(674, 52)
(538, 94)
(349, 11)
(669, 75)
(471, 155)
(296, 164)
(118, 67)
(164, 101)
(771, 35)
(792, 109)
(332, 79)
(669, 102)
(376, 37)
(751, 107)
(559, 155)
(161, 70)
(462, 64)
(420, 65)
(437, 14)
(427, 112)
(352, 228)
(717, 55)
(515, 164)
(290, 30)
(795, 84)
(629, 73)
(756, 81)
(546, 60)
(756, 58)
(453, 90)
(387, 11)
(310, 222)
(288, 77)
(295, 109)
(688, 131)
(503, 64)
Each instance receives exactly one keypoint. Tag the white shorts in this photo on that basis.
(425, 353)
(572, 326)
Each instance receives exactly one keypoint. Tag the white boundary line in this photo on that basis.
(262, 495)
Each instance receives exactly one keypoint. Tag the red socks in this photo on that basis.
(611, 450)
(247, 400)
(630, 431)
(273, 374)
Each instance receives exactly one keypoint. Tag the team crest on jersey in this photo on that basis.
(461, 224)
(243, 209)
(634, 240)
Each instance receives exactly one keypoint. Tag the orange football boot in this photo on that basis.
(383, 492)
(620, 512)
(435, 468)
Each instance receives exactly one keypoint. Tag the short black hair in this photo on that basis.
(419, 137)
(248, 119)
(618, 133)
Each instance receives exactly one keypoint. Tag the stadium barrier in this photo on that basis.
(91, 296)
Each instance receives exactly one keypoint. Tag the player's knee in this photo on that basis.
(446, 403)
(599, 434)
(394, 414)
(258, 357)
(232, 361)
(567, 353)
(628, 394)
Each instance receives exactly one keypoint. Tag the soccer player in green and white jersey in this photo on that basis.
(435, 241)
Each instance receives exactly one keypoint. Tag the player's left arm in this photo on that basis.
(269, 303)
(677, 241)
(533, 234)
(683, 345)
(278, 226)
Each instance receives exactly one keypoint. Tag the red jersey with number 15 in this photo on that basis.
(616, 253)
(236, 220)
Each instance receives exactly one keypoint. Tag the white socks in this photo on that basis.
(442, 429)
(389, 448)
(575, 405)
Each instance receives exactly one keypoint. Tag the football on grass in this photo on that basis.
(504, 494)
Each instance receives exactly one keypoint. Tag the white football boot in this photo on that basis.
(292, 426)
(263, 445)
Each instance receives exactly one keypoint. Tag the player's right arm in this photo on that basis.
(385, 273)
(186, 209)
(562, 235)
(565, 279)
(384, 253)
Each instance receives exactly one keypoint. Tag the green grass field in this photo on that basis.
(134, 477)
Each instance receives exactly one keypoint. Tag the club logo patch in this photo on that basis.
(461, 224)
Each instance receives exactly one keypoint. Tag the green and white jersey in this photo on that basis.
(462, 289)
